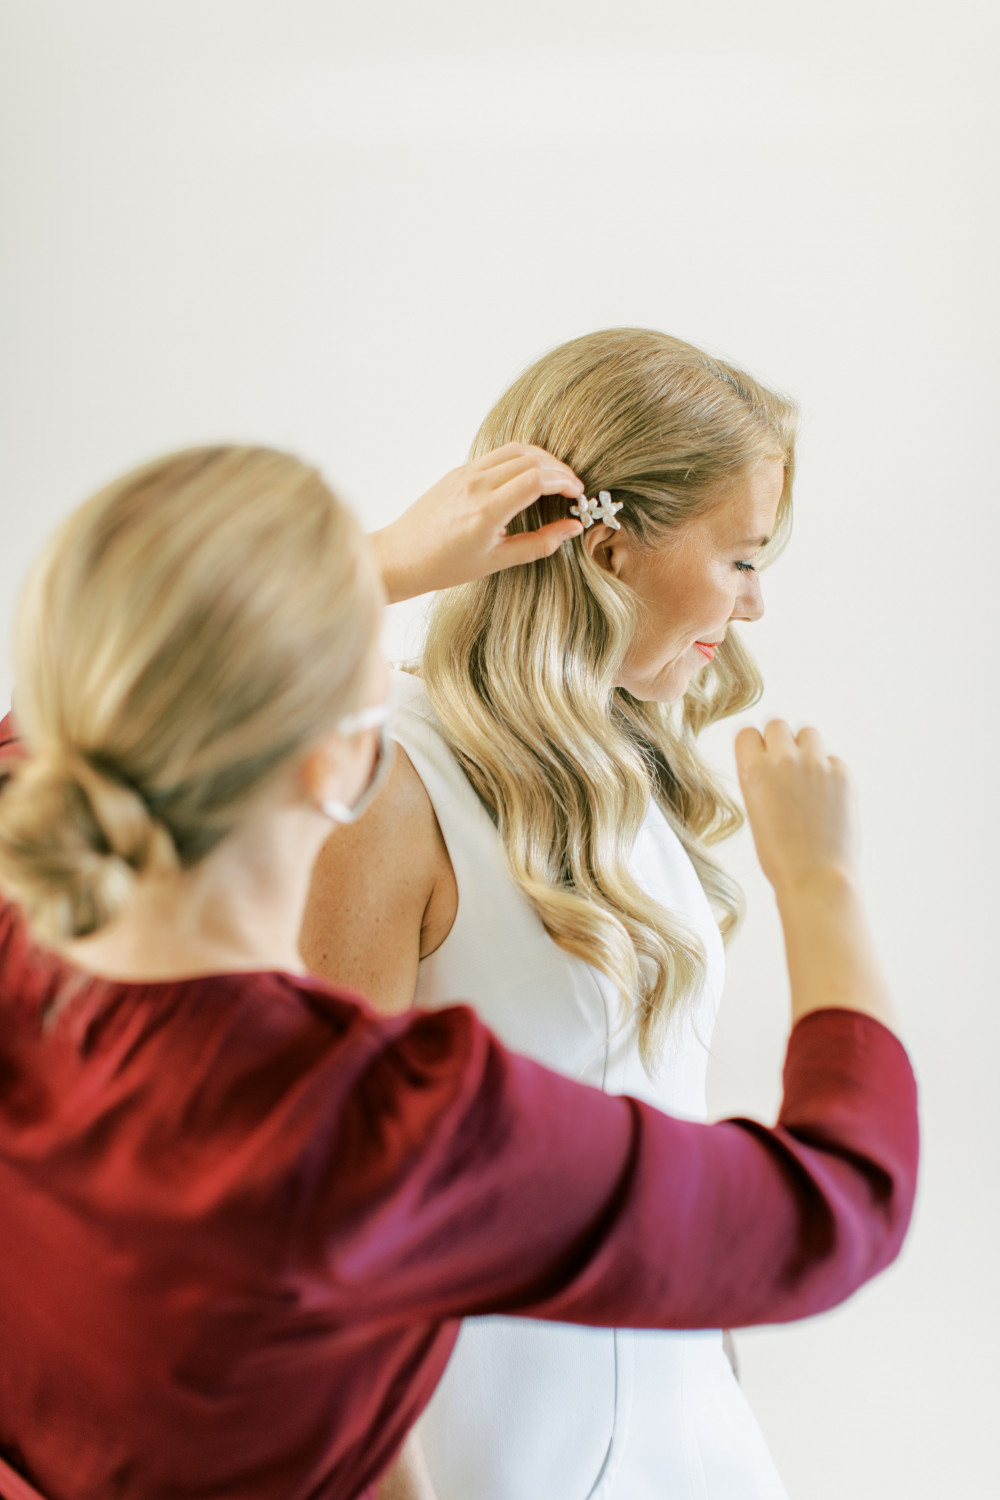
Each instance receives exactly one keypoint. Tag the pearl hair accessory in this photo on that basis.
(601, 509)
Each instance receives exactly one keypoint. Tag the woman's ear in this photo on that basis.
(608, 548)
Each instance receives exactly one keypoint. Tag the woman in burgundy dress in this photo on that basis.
(241, 1215)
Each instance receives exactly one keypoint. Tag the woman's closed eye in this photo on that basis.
(746, 567)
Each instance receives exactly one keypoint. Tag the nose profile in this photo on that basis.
(750, 604)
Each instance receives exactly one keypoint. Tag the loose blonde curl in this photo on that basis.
(521, 667)
(184, 635)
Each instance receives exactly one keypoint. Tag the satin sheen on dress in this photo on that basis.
(525, 1409)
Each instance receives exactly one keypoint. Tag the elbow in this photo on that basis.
(886, 1213)
(853, 1229)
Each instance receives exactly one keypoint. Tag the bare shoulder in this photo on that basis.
(382, 890)
(418, 837)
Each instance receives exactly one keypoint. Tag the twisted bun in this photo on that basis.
(72, 841)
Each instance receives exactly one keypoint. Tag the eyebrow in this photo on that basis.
(757, 541)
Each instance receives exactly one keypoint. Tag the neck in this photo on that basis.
(240, 908)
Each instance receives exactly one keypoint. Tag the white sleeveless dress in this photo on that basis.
(546, 1411)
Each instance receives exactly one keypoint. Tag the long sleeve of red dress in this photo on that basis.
(674, 1224)
(241, 1216)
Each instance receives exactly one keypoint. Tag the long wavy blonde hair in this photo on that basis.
(521, 667)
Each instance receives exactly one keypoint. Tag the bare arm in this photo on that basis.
(803, 813)
(383, 895)
(409, 1478)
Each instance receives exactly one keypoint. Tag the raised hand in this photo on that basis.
(803, 814)
(457, 531)
(801, 804)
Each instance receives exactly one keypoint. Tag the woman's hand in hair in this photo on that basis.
(458, 530)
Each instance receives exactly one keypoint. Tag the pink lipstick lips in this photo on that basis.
(707, 648)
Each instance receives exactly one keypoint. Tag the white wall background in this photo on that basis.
(342, 228)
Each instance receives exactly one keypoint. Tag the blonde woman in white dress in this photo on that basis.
(543, 845)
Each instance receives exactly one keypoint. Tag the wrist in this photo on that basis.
(824, 886)
(393, 575)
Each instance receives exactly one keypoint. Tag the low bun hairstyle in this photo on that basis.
(72, 842)
(186, 633)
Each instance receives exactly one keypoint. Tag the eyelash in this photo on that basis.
(746, 567)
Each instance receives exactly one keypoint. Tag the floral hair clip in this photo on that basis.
(601, 509)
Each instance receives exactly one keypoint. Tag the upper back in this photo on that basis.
(168, 1315)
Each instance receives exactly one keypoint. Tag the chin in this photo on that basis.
(670, 687)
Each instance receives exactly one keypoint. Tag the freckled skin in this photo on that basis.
(690, 585)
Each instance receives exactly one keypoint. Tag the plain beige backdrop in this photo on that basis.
(343, 228)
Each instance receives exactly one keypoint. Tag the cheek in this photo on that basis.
(684, 602)
(721, 602)
(663, 642)
(666, 628)
(717, 598)
(705, 605)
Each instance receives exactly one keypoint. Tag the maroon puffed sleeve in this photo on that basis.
(501, 1187)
